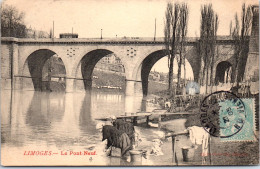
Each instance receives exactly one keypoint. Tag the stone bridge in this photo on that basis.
(23, 59)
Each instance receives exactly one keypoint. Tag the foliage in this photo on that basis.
(208, 33)
(174, 32)
(12, 24)
(241, 36)
(184, 12)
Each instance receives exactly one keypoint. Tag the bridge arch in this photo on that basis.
(86, 66)
(42, 69)
(147, 65)
(143, 70)
(223, 72)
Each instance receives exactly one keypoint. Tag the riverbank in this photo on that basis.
(102, 79)
(222, 153)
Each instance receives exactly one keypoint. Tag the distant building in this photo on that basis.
(162, 77)
(110, 63)
(159, 76)
(53, 68)
(32, 33)
(53, 75)
(154, 76)
(69, 35)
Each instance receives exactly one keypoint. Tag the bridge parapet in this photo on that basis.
(139, 40)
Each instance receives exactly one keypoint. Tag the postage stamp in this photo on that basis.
(225, 115)
(247, 132)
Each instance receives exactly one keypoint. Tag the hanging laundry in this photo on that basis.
(199, 136)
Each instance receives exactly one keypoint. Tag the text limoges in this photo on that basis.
(38, 153)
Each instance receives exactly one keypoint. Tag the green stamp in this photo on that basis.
(228, 117)
(246, 133)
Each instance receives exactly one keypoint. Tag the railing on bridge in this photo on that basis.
(124, 40)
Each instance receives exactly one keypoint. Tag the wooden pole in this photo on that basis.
(101, 34)
(174, 158)
(135, 121)
(174, 135)
(53, 29)
(154, 29)
(159, 121)
(147, 120)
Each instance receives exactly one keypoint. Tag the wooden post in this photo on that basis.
(174, 151)
(147, 120)
(185, 132)
(135, 121)
(159, 121)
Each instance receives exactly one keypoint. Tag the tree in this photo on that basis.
(207, 43)
(182, 29)
(241, 39)
(171, 38)
(12, 24)
(214, 26)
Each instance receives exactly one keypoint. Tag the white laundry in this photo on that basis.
(254, 87)
(100, 125)
(102, 148)
(192, 91)
(158, 133)
(138, 138)
(167, 104)
(156, 148)
(199, 136)
(153, 124)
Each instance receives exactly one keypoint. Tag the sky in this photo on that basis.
(162, 66)
(130, 18)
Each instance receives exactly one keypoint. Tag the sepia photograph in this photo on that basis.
(129, 83)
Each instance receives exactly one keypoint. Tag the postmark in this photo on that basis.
(223, 114)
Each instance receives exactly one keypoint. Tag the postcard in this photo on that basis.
(129, 83)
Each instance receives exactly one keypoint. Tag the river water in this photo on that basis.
(59, 122)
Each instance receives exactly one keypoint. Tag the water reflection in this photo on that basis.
(45, 109)
(133, 104)
(107, 104)
(86, 123)
(63, 120)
